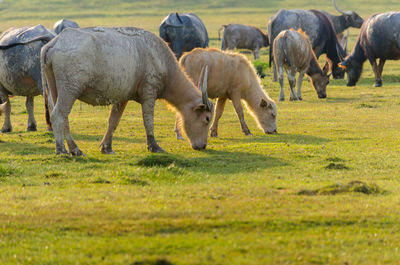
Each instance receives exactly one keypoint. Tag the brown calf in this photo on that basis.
(232, 76)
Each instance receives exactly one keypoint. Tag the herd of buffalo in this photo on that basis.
(103, 66)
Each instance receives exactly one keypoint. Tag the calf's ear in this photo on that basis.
(326, 68)
(200, 108)
(265, 104)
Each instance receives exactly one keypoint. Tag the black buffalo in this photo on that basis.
(183, 32)
(379, 37)
(63, 24)
(20, 69)
(346, 20)
(319, 29)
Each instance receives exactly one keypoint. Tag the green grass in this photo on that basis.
(242, 201)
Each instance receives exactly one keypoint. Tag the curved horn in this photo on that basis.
(339, 53)
(347, 40)
(340, 10)
(203, 86)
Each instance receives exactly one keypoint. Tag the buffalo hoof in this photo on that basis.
(281, 99)
(378, 83)
(248, 134)
(6, 130)
(49, 129)
(294, 99)
(77, 152)
(155, 149)
(107, 150)
(213, 134)
(31, 128)
(300, 98)
(62, 151)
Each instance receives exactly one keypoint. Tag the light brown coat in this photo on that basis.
(232, 76)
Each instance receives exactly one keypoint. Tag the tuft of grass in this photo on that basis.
(352, 186)
(53, 174)
(337, 166)
(366, 106)
(163, 160)
(153, 262)
(334, 159)
(101, 181)
(134, 181)
(5, 171)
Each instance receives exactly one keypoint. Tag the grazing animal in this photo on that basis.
(292, 51)
(232, 76)
(20, 69)
(319, 29)
(183, 32)
(103, 66)
(63, 24)
(379, 38)
(243, 37)
(346, 20)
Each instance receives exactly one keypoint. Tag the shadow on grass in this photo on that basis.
(215, 162)
(280, 138)
(97, 138)
(23, 148)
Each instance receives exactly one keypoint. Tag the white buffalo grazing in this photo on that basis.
(243, 37)
(232, 76)
(103, 66)
(293, 51)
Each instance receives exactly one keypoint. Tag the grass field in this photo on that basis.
(324, 190)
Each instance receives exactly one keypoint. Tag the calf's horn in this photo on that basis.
(203, 86)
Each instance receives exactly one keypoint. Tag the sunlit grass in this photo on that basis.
(238, 202)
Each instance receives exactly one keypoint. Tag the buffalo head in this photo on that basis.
(197, 119)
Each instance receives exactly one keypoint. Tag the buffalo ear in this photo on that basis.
(325, 70)
(265, 104)
(200, 108)
(343, 65)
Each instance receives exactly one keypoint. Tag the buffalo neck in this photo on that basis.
(180, 91)
(358, 53)
(314, 68)
(253, 94)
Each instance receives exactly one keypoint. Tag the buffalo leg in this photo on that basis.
(256, 53)
(148, 120)
(281, 81)
(274, 70)
(59, 119)
(239, 111)
(113, 121)
(219, 109)
(7, 110)
(177, 130)
(378, 73)
(31, 118)
(292, 83)
(72, 146)
(299, 83)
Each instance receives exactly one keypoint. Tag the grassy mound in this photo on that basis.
(352, 186)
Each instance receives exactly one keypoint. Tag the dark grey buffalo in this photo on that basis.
(319, 29)
(243, 37)
(346, 20)
(20, 68)
(183, 32)
(379, 37)
(63, 24)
